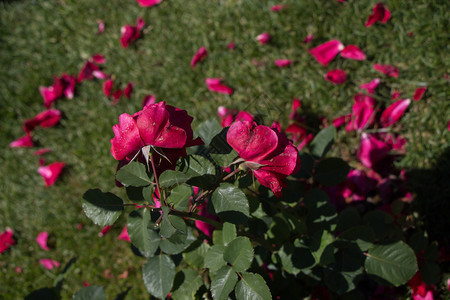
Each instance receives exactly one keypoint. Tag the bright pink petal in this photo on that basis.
(222, 111)
(116, 96)
(394, 112)
(380, 14)
(296, 104)
(148, 3)
(98, 59)
(370, 86)
(418, 93)
(101, 26)
(271, 180)
(100, 74)
(263, 38)
(296, 132)
(6, 239)
(277, 7)
(199, 56)
(202, 226)
(395, 95)
(305, 141)
(49, 263)
(337, 76)
(42, 240)
(363, 112)
(231, 46)
(282, 63)
(124, 235)
(353, 52)
(51, 172)
(104, 230)
(128, 34)
(326, 52)
(283, 163)
(45, 119)
(372, 150)
(386, 69)
(128, 90)
(339, 121)
(22, 142)
(148, 100)
(107, 87)
(42, 151)
(244, 116)
(127, 141)
(69, 82)
(252, 142)
(215, 85)
(86, 72)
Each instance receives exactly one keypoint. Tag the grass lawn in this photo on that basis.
(43, 39)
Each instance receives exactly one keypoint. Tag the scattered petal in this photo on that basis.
(42, 151)
(42, 240)
(339, 121)
(100, 74)
(45, 119)
(130, 33)
(199, 56)
(418, 93)
(308, 39)
(148, 100)
(353, 52)
(370, 86)
(282, 63)
(363, 113)
(22, 142)
(128, 90)
(116, 96)
(215, 85)
(395, 95)
(337, 76)
(104, 230)
(263, 38)
(124, 235)
(380, 14)
(6, 239)
(277, 7)
(394, 112)
(326, 52)
(148, 3)
(372, 150)
(296, 104)
(386, 69)
(49, 264)
(107, 87)
(231, 46)
(51, 172)
(101, 26)
(98, 59)
(87, 71)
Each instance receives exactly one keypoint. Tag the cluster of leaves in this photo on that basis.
(261, 245)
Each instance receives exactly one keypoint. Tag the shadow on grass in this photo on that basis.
(432, 189)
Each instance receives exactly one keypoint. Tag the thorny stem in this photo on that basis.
(188, 215)
(231, 174)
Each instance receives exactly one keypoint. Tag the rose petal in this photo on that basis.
(107, 87)
(116, 96)
(337, 76)
(104, 230)
(87, 71)
(148, 3)
(98, 59)
(386, 69)
(231, 46)
(101, 26)
(127, 141)
(148, 100)
(6, 239)
(282, 63)
(22, 142)
(277, 7)
(215, 85)
(372, 150)
(199, 56)
(418, 93)
(353, 52)
(394, 112)
(100, 74)
(380, 14)
(51, 172)
(42, 151)
(339, 121)
(42, 240)
(308, 39)
(370, 86)
(128, 90)
(252, 142)
(363, 112)
(124, 235)
(49, 263)
(263, 38)
(326, 52)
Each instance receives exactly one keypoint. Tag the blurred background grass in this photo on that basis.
(43, 39)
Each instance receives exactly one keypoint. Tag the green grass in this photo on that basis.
(42, 39)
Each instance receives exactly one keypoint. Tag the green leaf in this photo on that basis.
(196, 257)
(348, 218)
(379, 221)
(223, 282)
(158, 274)
(230, 203)
(214, 258)
(321, 214)
(252, 287)
(285, 254)
(170, 178)
(323, 141)
(207, 130)
(201, 171)
(224, 159)
(228, 233)
(92, 292)
(430, 272)
(179, 197)
(219, 144)
(239, 253)
(331, 171)
(306, 166)
(396, 263)
(102, 208)
(186, 284)
(133, 174)
(321, 247)
(362, 236)
(169, 247)
(139, 228)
